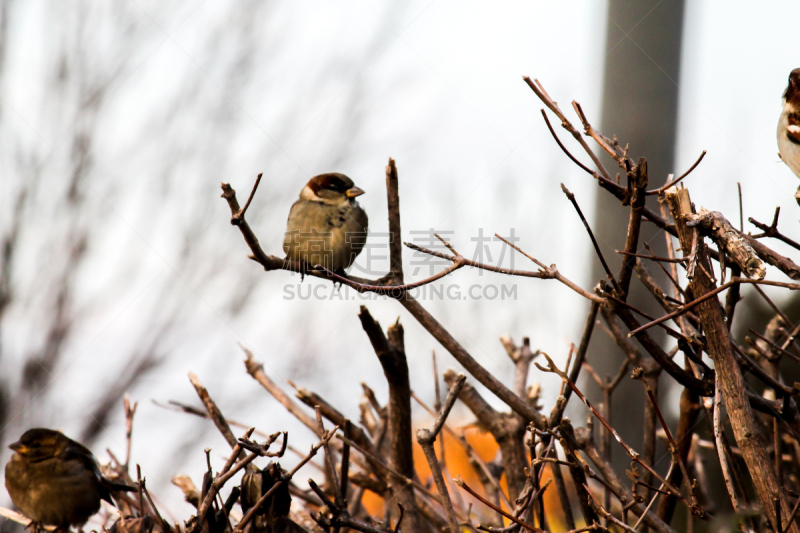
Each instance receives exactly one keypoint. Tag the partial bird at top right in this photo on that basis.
(789, 127)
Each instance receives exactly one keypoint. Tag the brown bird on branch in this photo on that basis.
(789, 127)
(55, 481)
(326, 225)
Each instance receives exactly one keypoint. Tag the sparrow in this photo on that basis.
(789, 127)
(55, 481)
(326, 225)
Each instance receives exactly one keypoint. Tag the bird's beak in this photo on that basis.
(18, 447)
(353, 192)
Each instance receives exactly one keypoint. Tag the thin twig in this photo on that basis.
(553, 273)
(228, 471)
(580, 358)
(791, 516)
(680, 260)
(256, 370)
(685, 307)
(741, 207)
(564, 149)
(478, 464)
(130, 410)
(393, 205)
(566, 124)
(774, 346)
(599, 253)
(679, 178)
(379, 462)
(673, 448)
(214, 413)
(239, 216)
(772, 230)
(533, 529)
(630, 451)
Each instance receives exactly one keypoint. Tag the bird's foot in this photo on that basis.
(341, 273)
(35, 526)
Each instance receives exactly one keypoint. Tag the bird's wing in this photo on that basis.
(361, 218)
(78, 452)
(357, 229)
(793, 129)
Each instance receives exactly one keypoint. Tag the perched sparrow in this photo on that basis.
(789, 126)
(55, 481)
(326, 225)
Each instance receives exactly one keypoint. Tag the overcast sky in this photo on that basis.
(120, 119)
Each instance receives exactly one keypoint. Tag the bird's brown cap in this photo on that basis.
(334, 181)
(792, 91)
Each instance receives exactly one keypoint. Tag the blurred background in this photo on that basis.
(120, 272)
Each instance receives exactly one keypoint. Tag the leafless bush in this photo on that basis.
(755, 442)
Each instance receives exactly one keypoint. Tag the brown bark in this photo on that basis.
(742, 419)
(637, 181)
(728, 238)
(392, 356)
(784, 264)
(690, 408)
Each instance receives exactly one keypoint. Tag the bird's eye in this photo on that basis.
(35, 445)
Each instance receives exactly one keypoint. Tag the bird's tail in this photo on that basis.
(118, 487)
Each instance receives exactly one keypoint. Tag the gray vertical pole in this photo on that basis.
(640, 107)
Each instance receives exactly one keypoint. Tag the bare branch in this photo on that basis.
(517, 404)
(215, 414)
(460, 483)
(599, 253)
(747, 433)
(426, 438)
(552, 272)
(392, 356)
(772, 230)
(637, 183)
(675, 181)
(395, 239)
(708, 296)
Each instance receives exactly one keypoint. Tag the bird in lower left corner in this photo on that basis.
(55, 481)
(789, 127)
(326, 226)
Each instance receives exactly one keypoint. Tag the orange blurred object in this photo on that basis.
(457, 464)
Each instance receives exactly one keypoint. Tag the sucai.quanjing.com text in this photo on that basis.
(432, 291)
